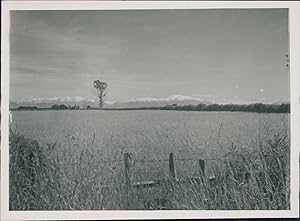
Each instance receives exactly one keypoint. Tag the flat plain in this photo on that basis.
(88, 148)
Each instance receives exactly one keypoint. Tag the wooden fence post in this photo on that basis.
(202, 168)
(172, 166)
(127, 179)
(127, 170)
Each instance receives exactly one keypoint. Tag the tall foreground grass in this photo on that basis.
(54, 177)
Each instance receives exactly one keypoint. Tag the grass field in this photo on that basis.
(74, 160)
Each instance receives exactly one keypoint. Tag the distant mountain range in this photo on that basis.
(281, 102)
(132, 103)
(180, 100)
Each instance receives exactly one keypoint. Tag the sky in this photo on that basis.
(220, 55)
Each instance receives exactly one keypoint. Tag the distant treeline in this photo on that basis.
(257, 107)
(27, 108)
(54, 107)
(65, 107)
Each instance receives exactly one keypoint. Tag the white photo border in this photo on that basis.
(294, 39)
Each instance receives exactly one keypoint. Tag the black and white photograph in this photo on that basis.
(149, 110)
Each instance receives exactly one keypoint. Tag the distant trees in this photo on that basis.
(256, 107)
(59, 107)
(64, 107)
(100, 87)
(27, 108)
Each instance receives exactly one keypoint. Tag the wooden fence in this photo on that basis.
(172, 177)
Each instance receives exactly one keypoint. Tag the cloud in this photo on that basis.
(148, 53)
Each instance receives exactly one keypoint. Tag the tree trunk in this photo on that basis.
(100, 102)
(101, 99)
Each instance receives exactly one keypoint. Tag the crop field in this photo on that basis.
(83, 164)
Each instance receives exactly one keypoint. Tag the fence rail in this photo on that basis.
(106, 161)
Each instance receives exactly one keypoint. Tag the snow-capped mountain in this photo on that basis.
(132, 103)
(157, 102)
(58, 99)
(171, 98)
(281, 102)
(49, 101)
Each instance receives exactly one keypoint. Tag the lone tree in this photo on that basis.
(101, 87)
